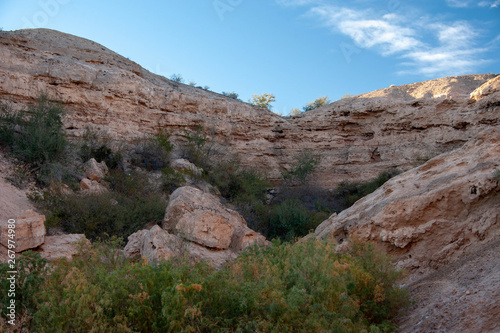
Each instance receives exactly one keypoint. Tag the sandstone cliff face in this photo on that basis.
(432, 215)
(357, 138)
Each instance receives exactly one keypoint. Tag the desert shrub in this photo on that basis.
(350, 192)
(294, 112)
(96, 145)
(288, 220)
(128, 206)
(263, 101)
(172, 179)
(153, 154)
(316, 103)
(200, 147)
(177, 78)
(306, 287)
(232, 95)
(28, 282)
(34, 136)
(59, 172)
(303, 166)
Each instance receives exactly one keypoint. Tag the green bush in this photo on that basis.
(172, 179)
(289, 220)
(130, 204)
(34, 136)
(96, 145)
(350, 192)
(232, 95)
(306, 287)
(153, 154)
(316, 103)
(263, 101)
(303, 166)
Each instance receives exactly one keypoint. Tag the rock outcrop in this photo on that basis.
(29, 231)
(434, 214)
(61, 246)
(94, 175)
(197, 224)
(356, 138)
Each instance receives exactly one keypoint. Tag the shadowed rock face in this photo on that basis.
(357, 138)
(432, 215)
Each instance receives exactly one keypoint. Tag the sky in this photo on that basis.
(298, 50)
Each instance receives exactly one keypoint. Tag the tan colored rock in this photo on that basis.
(197, 225)
(490, 87)
(432, 215)
(95, 171)
(357, 137)
(185, 166)
(62, 246)
(157, 244)
(154, 244)
(29, 231)
(201, 218)
(91, 186)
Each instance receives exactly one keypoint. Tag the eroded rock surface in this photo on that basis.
(61, 246)
(29, 231)
(434, 214)
(197, 224)
(356, 138)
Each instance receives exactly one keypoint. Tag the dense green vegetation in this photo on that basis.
(34, 136)
(304, 287)
(286, 287)
(349, 192)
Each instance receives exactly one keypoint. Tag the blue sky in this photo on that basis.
(296, 49)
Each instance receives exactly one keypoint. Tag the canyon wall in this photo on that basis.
(355, 138)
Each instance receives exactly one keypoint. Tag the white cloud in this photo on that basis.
(430, 49)
(470, 3)
(459, 3)
(296, 2)
(368, 33)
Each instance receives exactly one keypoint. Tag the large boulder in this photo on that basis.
(95, 171)
(201, 218)
(154, 244)
(157, 244)
(196, 224)
(62, 246)
(29, 231)
(434, 214)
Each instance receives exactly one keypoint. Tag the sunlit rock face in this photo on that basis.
(355, 138)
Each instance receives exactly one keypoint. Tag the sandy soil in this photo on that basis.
(461, 297)
(13, 201)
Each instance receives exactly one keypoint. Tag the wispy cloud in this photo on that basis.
(439, 48)
(459, 3)
(471, 3)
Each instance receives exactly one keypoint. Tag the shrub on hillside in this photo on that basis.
(263, 101)
(96, 145)
(34, 136)
(302, 168)
(350, 192)
(153, 154)
(316, 103)
(130, 204)
(306, 287)
(232, 95)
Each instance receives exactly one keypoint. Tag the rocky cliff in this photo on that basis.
(356, 138)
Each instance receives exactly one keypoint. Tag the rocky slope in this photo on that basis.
(356, 138)
(439, 222)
